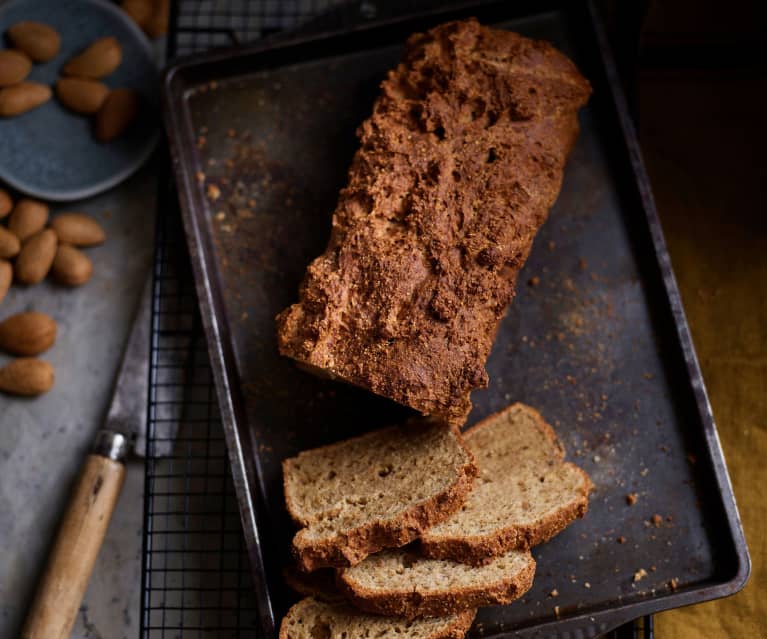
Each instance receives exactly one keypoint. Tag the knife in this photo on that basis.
(84, 525)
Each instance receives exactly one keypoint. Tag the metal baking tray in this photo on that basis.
(261, 139)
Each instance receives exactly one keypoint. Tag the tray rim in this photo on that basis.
(222, 356)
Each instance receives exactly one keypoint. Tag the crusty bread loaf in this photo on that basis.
(525, 493)
(457, 169)
(404, 583)
(379, 490)
(312, 619)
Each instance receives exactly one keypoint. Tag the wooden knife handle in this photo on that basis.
(74, 552)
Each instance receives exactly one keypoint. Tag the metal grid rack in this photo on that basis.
(196, 578)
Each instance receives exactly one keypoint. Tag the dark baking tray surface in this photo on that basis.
(262, 138)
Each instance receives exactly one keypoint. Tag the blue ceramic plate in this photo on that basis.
(50, 152)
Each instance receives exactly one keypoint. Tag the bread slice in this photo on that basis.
(312, 619)
(525, 493)
(379, 490)
(404, 583)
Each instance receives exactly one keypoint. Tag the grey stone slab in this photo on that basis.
(43, 441)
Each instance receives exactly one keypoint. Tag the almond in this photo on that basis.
(6, 275)
(71, 266)
(28, 217)
(36, 257)
(77, 229)
(14, 67)
(28, 333)
(116, 114)
(23, 97)
(26, 376)
(6, 203)
(101, 58)
(39, 41)
(140, 11)
(157, 25)
(81, 95)
(9, 244)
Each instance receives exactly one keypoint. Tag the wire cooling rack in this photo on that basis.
(196, 579)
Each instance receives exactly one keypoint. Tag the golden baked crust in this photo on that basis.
(456, 171)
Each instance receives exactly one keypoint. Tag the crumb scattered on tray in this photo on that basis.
(554, 593)
(657, 520)
(534, 281)
(640, 574)
(213, 192)
(673, 584)
(621, 540)
(631, 499)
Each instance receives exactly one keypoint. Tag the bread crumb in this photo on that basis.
(556, 610)
(657, 520)
(220, 216)
(621, 540)
(644, 472)
(554, 593)
(213, 192)
(534, 281)
(673, 584)
(200, 176)
(653, 568)
(640, 574)
(587, 584)
(631, 499)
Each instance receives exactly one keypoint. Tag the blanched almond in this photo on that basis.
(6, 275)
(39, 41)
(98, 60)
(36, 257)
(28, 217)
(71, 266)
(81, 95)
(78, 229)
(23, 97)
(116, 114)
(9, 244)
(6, 203)
(28, 333)
(26, 376)
(14, 67)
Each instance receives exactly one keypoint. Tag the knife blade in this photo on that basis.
(84, 525)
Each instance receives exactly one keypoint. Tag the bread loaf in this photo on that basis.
(456, 171)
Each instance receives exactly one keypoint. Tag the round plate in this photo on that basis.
(51, 152)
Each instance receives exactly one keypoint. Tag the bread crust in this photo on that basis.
(412, 603)
(352, 547)
(455, 630)
(480, 549)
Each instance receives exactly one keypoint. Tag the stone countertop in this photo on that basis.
(44, 440)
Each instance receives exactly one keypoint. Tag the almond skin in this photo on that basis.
(6, 203)
(39, 41)
(27, 377)
(36, 257)
(14, 67)
(28, 217)
(71, 266)
(28, 333)
(78, 229)
(81, 95)
(116, 114)
(23, 97)
(157, 25)
(6, 275)
(140, 11)
(9, 244)
(100, 59)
